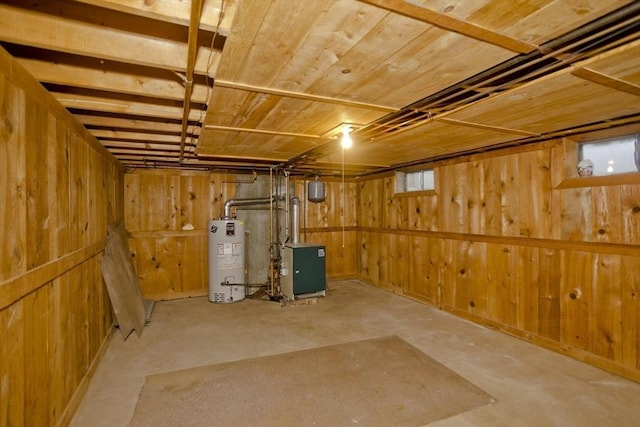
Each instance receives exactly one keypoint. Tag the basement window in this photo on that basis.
(422, 180)
(609, 156)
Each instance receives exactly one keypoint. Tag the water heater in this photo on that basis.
(226, 260)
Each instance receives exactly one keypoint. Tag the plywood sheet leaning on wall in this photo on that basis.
(122, 282)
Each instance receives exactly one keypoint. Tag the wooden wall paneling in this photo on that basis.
(454, 199)
(576, 299)
(81, 311)
(13, 216)
(78, 191)
(97, 330)
(447, 191)
(167, 268)
(381, 262)
(560, 291)
(529, 289)
(12, 365)
(36, 372)
(448, 273)
(477, 279)
(510, 200)
(502, 287)
(559, 164)
(143, 250)
(398, 261)
(606, 338)
(630, 211)
(415, 213)
(418, 267)
(424, 269)
(392, 207)
(152, 202)
(534, 184)
(351, 205)
(471, 285)
(106, 313)
(630, 296)
(362, 203)
(364, 252)
(203, 201)
(133, 198)
(53, 175)
(58, 188)
(219, 194)
(192, 259)
(462, 286)
(93, 217)
(607, 217)
(189, 189)
(60, 389)
(493, 195)
(475, 195)
(336, 211)
(575, 216)
(173, 203)
(37, 162)
(347, 262)
(373, 260)
(549, 297)
(371, 203)
(72, 341)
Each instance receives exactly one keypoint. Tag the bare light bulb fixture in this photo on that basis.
(346, 140)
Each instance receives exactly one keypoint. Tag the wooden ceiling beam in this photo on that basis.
(303, 96)
(485, 127)
(192, 46)
(175, 11)
(605, 80)
(111, 80)
(88, 102)
(62, 34)
(141, 153)
(261, 131)
(135, 136)
(451, 24)
(90, 121)
(137, 146)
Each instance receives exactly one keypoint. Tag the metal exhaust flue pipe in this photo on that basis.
(295, 219)
(244, 202)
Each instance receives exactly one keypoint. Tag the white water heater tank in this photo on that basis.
(226, 261)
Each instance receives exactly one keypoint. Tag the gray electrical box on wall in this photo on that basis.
(304, 270)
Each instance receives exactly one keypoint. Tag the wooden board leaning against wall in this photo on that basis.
(166, 215)
(60, 189)
(515, 240)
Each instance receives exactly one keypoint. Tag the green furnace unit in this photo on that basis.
(304, 270)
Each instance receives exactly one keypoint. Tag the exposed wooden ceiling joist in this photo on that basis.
(97, 103)
(175, 11)
(192, 47)
(62, 33)
(302, 95)
(113, 80)
(451, 24)
(109, 122)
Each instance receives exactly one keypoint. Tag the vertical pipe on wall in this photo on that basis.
(295, 219)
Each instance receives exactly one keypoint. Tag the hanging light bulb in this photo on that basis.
(346, 141)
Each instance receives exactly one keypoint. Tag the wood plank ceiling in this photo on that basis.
(252, 84)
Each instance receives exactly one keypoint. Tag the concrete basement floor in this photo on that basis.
(532, 386)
